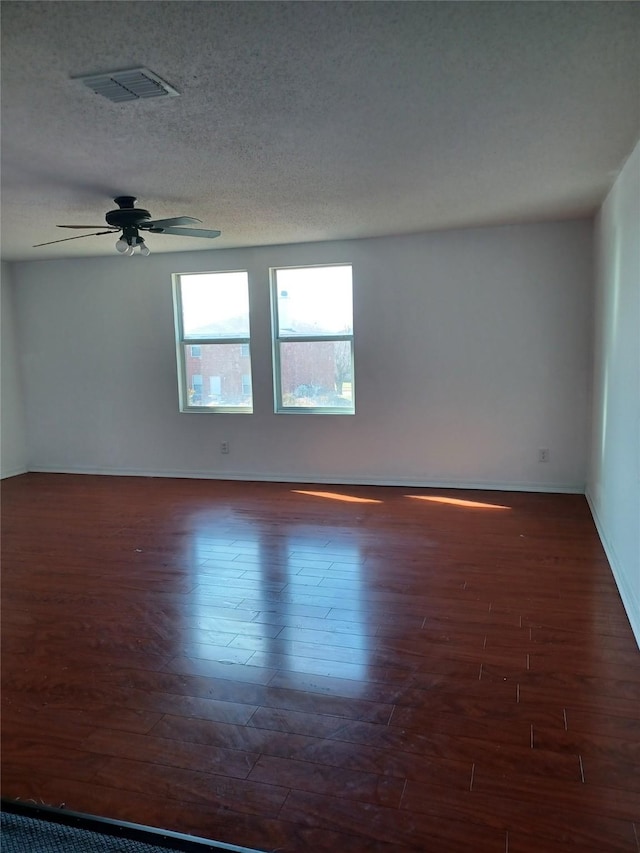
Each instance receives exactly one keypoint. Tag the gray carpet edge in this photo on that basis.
(20, 833)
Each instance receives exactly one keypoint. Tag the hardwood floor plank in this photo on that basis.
(522, 842)
(43, 715)
(573, 683)
(355, 688)
(514, 732)
(377, 823)
(189, 786)
(228, 736)
(586, 744)
(609, 772)
(587, 701)
(616, 726)
(26, 753)
(552, 820)
(433, 746)
(574, 795)
(215, 669)
(419, 707)
(309, 665)
(324, 779)
(559, 637)
(156, 750)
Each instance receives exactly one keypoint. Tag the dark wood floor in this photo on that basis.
(310, 668)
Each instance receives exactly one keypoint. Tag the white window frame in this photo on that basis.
(182, 342)
(277, 339)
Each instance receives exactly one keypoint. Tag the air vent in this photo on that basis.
(130, 85)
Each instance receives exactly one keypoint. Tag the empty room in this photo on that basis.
(320, 436)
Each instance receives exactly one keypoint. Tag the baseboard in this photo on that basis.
(629, 601)
(13, 472)
(337, 480)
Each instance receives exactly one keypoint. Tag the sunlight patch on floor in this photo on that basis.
(458, 502)
(335, 496)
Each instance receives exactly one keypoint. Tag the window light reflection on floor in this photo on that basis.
(458, 502)
(335, 496)
(244, 573)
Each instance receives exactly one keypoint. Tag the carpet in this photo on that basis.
(39, 829)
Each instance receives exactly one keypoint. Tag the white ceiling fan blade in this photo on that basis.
(186, 232)
(168, 223)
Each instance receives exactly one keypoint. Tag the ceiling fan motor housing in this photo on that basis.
(127, 215)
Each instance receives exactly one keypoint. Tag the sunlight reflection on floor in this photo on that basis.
(458, 502)
(243, 572)
(335, 496)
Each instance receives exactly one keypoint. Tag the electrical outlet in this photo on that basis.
(543, 454)
(224, 447)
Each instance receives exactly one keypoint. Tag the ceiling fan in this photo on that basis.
(131, 220)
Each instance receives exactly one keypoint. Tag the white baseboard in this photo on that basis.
(13, 472)
(629, 601)
(310, 477)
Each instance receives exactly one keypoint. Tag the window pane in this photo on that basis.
(316, 374)
(215, 305)
(314, 301)
(220, 376)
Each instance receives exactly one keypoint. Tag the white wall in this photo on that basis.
(614, 473)
(472, 352)
(13, 445)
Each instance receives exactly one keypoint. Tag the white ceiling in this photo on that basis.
(305, 121)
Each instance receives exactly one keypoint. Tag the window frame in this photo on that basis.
(277, 340)
(182, 342)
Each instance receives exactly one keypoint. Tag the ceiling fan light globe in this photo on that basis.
(144, 250)
(122, 246)
(128, 250)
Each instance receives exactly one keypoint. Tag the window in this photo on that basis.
(212, 341)
(215, 387)
(313, 339)
(195, 391)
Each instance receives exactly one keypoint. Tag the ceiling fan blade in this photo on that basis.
(83, 226)
(167, 223)
(79, 237)
(187, 232)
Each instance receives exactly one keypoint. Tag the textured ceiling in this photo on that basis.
(305, 121)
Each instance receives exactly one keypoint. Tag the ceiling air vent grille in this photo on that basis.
(129, 85)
